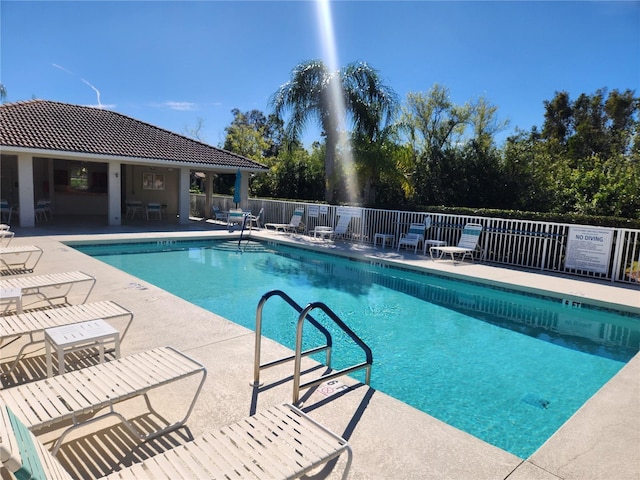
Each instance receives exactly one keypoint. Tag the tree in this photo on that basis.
(314, 92)
(3, 93)
(253, 135)
(245, 136)
(434, 127)
(381, 167)
(589, 152)
(195, 132)
(294, 173)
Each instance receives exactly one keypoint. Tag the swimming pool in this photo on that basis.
(505, 367)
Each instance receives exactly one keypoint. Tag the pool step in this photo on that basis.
(245, 246)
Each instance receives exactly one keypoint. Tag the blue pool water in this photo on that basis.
(507, 368)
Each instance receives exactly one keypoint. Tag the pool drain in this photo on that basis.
(536, 401)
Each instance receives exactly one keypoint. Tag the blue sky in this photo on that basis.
(172, 64)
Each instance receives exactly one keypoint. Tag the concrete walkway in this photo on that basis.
(389, 438)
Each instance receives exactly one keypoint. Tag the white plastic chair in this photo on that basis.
(467, 245)
(413, 238)
(255, 219)
(294, 224)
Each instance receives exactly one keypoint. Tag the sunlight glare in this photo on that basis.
(325, 24)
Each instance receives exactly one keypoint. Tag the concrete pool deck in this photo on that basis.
(389, 439)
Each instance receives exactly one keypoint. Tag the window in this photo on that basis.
(80, 178)
(153, 181)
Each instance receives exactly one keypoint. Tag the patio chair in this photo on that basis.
(218, 214)
(6, 211)
(48, 288)
(71, 396)
(154, 208)
(294, 224)
(19, 259)
(33, 324)
(42, 210)
(281, 442)
(341, 230)
(467, 245)
(342, 227)
(413, 238)
(133, 207)
(256, 219)
(6, 235)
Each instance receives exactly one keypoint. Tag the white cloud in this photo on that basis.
(59, 67)
(183, 106)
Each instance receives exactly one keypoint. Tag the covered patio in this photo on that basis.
(71, 160)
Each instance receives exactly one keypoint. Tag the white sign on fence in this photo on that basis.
(317, 210)
(353, 212)
(588, 249)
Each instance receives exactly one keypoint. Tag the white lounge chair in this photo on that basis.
(38, 289)
(341, 230)
(294, 224)
(281, 442)
(20, 259)
(6, 235)
(342, 227)
(413, 238)
(66, 397)
(22, 455)
(33, 324)
(467, 245)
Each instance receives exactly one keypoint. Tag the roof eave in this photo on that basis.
(10, 150)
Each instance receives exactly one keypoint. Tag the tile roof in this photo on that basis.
(62, 127)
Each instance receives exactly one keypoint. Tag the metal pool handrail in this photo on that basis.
(345, 371)
(256, 364)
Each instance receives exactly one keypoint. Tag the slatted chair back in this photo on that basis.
(342, 227)
(416, 231)
(470, 236)
(22, 454)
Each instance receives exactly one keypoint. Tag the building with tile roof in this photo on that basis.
(91, 161)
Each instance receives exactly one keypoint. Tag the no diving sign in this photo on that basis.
(588, 249)
(331, 388)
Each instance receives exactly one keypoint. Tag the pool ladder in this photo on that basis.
(304, 314)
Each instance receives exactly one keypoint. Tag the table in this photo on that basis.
(10, 295)
(76, 337)
(432, 243)
(383, 237)
(323, 232)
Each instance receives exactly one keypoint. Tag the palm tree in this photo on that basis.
(309, 94)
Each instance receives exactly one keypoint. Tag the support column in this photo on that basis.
(244, 191)
(49, 194)
(25, 190)
(208, 191)
(114, 195)
(184, 199)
